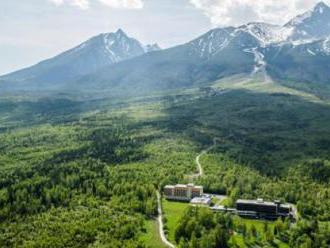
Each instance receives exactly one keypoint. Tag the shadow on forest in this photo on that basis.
(266, 131)
(109, 145)
(46, 110)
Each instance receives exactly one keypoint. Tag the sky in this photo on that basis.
(34, 30)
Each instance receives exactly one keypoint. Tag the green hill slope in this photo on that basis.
(93, 167)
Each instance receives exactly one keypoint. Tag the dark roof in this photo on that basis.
(256, 202)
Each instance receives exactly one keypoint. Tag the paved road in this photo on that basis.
(161, 224)
(219, 198)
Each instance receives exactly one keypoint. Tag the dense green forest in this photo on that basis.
(84, 173)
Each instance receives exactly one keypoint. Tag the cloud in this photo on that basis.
(128, 4)
(237, 12)
(119, 4)
(57, 2)
(82, 4)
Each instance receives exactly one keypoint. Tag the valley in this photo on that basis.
(100, 142)
(112, 161)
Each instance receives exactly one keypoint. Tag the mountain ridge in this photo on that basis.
(313, 24)
(97, 52)
(281, 51)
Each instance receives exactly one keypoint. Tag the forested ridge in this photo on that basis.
(88, 178)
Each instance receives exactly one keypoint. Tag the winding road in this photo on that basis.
(161, 224)
(160, 212)
(199, 166)
(197, 175)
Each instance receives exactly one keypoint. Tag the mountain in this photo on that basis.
(305, 55)
(304, 62)
(152, 48)
(307, 27)
(251, 48)
(218, 53)
(312, 25)
(199, 61)
(117, 64)
(98, 52)
(266, 33)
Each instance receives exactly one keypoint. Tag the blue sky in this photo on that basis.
(33, 30)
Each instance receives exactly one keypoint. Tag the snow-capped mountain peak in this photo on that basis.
(312, 25)
(212, 42)
(221, 51)
(299, 19)
(117, 46)
(98, 52)
(267, 33)
(321, 7)
(120, 47)
(120, 32)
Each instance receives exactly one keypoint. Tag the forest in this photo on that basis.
(85, 173)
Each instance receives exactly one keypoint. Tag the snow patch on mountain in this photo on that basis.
(326, 45)
(116, 46)
(260, 63)
(310, 27)
(299, 19)
(311, 52)
(98, 52)
(313, 24)
(108, 41)
(301, 42)
(267, 33)
(212, 42)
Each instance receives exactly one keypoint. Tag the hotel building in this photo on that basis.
(182, 192)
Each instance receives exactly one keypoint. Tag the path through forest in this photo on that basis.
(160, 212)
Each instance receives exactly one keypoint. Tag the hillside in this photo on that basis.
(92, 140)
(94, 166)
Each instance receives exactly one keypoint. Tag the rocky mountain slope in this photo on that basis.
(96, 53)
(252, 48)
(298, 50)
(312, 25)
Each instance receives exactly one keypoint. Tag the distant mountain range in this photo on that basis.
(298, 50)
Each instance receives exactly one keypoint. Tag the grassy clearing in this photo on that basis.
(151, 236)
(256, 85)
(173, 211)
